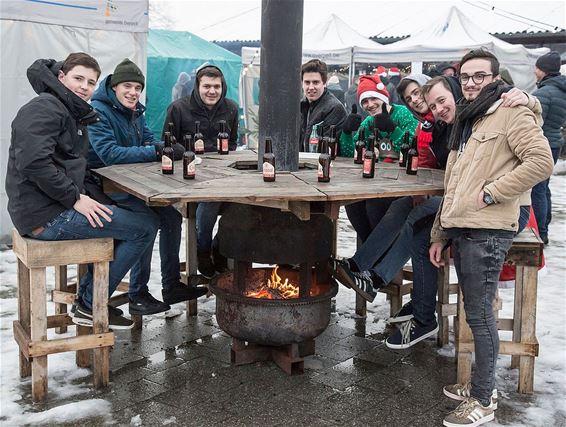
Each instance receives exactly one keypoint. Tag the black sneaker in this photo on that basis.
(145, 304)
(361, 282)
(205, 265)
(406, 313)
(181, 293)
(115, 310)
(410, 333)
(220, 261)
(83, 317)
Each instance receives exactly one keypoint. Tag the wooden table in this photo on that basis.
(234, 178)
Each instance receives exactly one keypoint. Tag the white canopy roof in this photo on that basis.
(449, 39)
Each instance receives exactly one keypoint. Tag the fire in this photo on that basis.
(276, 288)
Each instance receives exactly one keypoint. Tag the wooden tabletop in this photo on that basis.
(219, 179)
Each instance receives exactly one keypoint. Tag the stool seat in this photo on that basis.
(30, 330)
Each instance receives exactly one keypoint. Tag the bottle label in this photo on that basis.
(224, 142)
(268, 170)
(199, 145)
(166, 163)
(415, 163)
(367, 166)
(217, 144)
(313, 145)
(191, 168)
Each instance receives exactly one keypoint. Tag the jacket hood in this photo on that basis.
(455, 87)
(558, 81)
(42, 75)
(106, 94)
(195, 94)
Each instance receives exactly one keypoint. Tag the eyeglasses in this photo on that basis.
(476, 78)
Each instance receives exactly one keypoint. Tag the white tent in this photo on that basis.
(109, 30)
(449, 39)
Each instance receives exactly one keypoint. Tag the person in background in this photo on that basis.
(183, 86)
(206, 104)
(335, 88)
(551, 93)
(351, 98)
(122, 136)
(447, 69)
(484, 181)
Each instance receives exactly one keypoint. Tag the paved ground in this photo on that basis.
(176, 371)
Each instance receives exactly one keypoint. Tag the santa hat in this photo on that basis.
(394, 71)
(372, 87)
(380, 71)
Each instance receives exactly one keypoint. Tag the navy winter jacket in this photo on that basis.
(551, 93)
(121, 135)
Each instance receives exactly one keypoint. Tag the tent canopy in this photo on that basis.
(449, 39)
(171, 52)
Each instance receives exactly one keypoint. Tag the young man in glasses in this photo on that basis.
(497, 154)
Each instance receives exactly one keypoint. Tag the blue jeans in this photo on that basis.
(365, 215)
(168, 220)
(478, 258)
(206, 216)
(132, 235)
(542, 201)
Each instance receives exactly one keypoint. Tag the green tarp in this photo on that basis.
(171, 52)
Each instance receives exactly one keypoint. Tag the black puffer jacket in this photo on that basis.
(47, 155)
(327, 108)
(184, 112)
(551, 93)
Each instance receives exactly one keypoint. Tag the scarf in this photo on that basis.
(468, 112)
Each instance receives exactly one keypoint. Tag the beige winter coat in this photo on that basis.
(506, 155)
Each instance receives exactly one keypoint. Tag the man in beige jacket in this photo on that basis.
(497, 154)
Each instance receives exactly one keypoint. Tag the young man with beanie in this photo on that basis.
(122, 136)
(207, 104)
(551, 93)
(47, 171)
(319, 105)
(497, 154)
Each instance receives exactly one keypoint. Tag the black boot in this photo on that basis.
(205, 264)
(181, 292)
(219, 260)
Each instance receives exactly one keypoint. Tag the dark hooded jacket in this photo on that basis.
(47, 156)
(184, 112)
(121, 135)
(551, 93)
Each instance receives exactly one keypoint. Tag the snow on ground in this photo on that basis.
(547, 407)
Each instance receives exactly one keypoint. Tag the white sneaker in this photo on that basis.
(469, 413)
(462, 392)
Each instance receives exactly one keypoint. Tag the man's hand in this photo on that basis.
(92, 210)
(178, 151)
(435, 255)
(514, 97)
(481, 203)
(353, 121)
(383, 121)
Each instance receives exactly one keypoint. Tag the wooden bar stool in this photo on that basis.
(30, 330)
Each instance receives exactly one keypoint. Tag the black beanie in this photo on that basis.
(127, 71)
(549, 63)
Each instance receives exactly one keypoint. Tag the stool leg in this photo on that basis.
(464, 370)
(527, 318)
(101, 355)
(191, 250)
(517, 309)
(361, 306)
(38, 332)
(61, 285)
(443, 284)
(138, 322)
(24, 312)
(83, 356)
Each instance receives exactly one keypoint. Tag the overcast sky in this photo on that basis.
(241, 19)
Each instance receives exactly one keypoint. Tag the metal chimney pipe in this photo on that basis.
(280, 80)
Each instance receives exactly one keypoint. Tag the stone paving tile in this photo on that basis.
(345, 374)
(335, 331)
(124, 395)
(337, 352)
(383, 383)
(381, 356)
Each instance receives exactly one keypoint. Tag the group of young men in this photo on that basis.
(486, 135)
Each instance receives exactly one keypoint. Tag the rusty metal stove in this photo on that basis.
(282, 330)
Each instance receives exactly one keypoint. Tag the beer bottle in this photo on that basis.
(404, 149)
(189, 165)
(199, 139)
(167, 157)
(222, 140)
(172, 138)
(313, 140)
(412, 159)
(360, 146)
(324, 162)
(332, 142)
(268, 162)
(369, 159)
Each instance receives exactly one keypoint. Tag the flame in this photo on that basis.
(276, 288)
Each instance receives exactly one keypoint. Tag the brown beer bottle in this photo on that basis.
(369, 159)
(268, 166)
(167, 157)
(189, 165)
(412, 159)
(324, 162)
(360, 146)
(222, 141)
(404, 149)
(333, 142)
(172, 138)
(199, 139)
